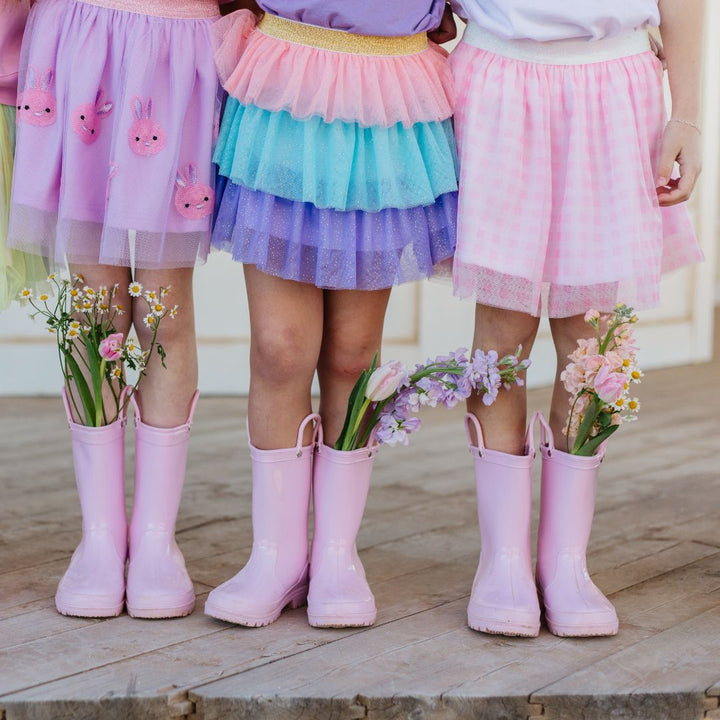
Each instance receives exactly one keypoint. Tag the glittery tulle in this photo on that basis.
(336, 165)
(333, 249)
(279, 75)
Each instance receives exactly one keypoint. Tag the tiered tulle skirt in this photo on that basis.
(338, 167)
(558, 211)
(118, 110)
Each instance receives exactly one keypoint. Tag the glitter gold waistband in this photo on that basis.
(339, 40)
(178, 9)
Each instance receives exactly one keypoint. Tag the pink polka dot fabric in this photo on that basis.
(558, 210)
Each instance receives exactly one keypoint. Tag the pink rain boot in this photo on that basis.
(94, 583)
(504, 598)
(276, 575)
(158, 585)
(574, 606)
(339, 594)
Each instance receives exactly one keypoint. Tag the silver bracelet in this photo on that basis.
(686, 122)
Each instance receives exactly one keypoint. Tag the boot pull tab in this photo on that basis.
(530, 434)
(546, 434)
(472, 423)
(138, 416)
(317, 436)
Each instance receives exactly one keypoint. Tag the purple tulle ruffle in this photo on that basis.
(330, 248)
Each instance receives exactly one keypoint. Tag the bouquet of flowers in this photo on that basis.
(598, 377)
(386, 399)
(92, 353)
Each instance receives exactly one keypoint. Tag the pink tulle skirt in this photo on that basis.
(118, 109)
(558, 211)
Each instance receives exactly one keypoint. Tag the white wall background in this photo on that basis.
(424, 319)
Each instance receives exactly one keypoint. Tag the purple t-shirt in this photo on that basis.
(363, 17)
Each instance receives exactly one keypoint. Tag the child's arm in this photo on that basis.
(681, 28)
(228, 6)
(447, 30)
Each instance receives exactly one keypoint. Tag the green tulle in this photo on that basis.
(17, 269)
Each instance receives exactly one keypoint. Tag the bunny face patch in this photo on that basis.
(145, 137)
(86, 119)
(193, 199)
(36, 104)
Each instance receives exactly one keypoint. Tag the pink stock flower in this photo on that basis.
(111, 347)
(385, 381)
(609, 385)
(592, 316)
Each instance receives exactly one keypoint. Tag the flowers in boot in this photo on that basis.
(599, 377)
(385, 400)
(93, 355)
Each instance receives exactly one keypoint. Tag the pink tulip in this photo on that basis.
(385, 381)
(609, 385)
(111, 347)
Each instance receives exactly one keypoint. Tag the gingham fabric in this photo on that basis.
(558, 210)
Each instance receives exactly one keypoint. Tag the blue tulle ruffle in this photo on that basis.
(336, 165)
(330, 248)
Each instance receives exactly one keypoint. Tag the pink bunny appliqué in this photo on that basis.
(86, 119)
(193, 199)
(146, 137)
(37, 106)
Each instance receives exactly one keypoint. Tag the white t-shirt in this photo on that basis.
(545, 20)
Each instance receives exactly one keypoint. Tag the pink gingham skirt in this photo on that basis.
(558, 147)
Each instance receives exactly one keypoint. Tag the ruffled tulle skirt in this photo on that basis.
(117, 120)
(339, 167)
(558, 211)
(17, 270)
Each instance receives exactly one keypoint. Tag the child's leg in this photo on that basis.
(503, 422)
(565, 332)
(504, 599)
(165, 393)
(94, 583)
(158, 585)
(574, 606)
(339, 594)
(286, 321)
(352, 334)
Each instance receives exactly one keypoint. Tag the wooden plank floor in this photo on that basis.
(655, 550)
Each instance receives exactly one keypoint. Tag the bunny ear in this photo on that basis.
(180, 180)
(192, 174)
(136, 104)
(148, 110)
(98, 97)
(104, 109)
(32, 77)
(47, 79)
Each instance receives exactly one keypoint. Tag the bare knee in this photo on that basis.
(503, 330)
(344, 358)
(281, 353)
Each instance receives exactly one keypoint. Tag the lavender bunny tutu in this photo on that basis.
(118, 109)
(336, 153)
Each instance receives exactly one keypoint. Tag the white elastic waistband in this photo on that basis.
(559, 52)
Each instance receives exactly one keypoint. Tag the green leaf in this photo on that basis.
(82, 388)
(586, 425)
(349, 420)
(96, 375)
(593, 443)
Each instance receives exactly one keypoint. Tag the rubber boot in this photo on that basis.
(504, 598)
(94, 583)
(158, 585)
(276, 575)
(574, 606)
(339, 594)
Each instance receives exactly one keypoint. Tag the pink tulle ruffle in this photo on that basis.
(367, 89)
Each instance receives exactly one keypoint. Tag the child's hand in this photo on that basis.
(447, 30)
(681, 143)
(657, 47)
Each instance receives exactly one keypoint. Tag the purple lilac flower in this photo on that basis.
(394, 430)
(484, 376)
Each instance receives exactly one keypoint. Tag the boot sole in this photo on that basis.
(341, 621)
(606, 630)
(489, 622)
(509, 630)
(161, 613)
(90, 612)
(293, 602)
